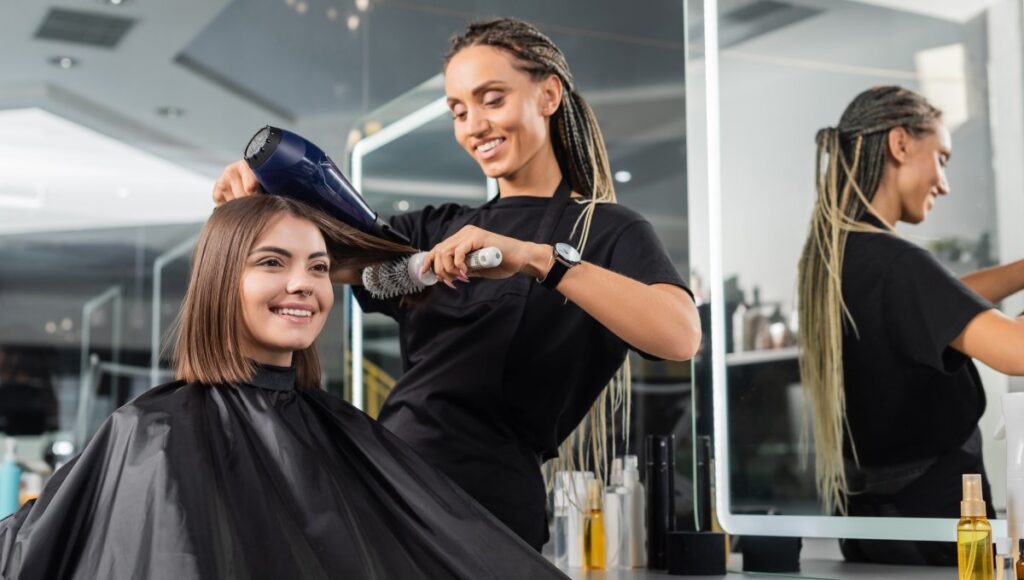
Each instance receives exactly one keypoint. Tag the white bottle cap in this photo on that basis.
(1003, 546)
(630, 462)
(616, 477)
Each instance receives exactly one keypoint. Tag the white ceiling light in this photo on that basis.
(64, 62)
(623, 176)
(353, 22)
(959, 11)
(56, 175)
(942, 74)
(362, 5)
(332, 13)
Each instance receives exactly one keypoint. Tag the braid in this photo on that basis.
(583, 159)
(850, 163)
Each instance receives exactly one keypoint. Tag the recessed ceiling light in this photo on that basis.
(64, 62)
(332, 13)
(353, 22)
(401, 205)
(623, 176)
(114, 2)
(170, 112)
(301, 7)
(362, 5)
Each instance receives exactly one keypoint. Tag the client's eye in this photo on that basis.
(322, 268)
(270, 262)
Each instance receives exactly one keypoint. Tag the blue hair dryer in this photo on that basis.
(286, 164)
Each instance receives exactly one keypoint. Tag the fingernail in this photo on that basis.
(463, 278)
(449, 284)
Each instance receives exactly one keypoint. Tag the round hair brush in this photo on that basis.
(402, 277)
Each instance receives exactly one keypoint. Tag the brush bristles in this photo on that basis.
(390, 279)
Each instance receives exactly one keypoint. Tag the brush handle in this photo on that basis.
(481, 259)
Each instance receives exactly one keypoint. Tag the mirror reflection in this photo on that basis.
(864, 177)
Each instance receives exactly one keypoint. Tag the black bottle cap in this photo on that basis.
(661, 450)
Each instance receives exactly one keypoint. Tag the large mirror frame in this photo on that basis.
(706, 244)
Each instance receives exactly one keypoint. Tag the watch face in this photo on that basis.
(567, 252)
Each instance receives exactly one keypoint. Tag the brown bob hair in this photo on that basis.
(208, 348)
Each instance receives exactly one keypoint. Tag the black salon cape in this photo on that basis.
(255, 481)
(497, 373)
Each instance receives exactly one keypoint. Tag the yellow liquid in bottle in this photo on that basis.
(593, 541)
(974, 549)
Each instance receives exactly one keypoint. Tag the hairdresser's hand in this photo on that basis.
(238, 180)
(448, 258)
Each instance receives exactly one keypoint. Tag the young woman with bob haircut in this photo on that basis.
(244, 467)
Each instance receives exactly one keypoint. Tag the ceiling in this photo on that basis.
(222, 69)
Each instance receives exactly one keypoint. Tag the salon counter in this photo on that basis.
(816, 569)
(820, 560)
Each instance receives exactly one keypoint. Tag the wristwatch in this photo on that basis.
(566, 256)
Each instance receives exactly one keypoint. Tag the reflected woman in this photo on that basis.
(888, 334)
(244, 467)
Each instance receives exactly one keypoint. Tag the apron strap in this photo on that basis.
(553, 213)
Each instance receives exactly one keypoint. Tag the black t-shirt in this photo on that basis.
(499, 372)
(909, 395)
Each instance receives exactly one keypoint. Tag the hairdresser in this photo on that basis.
(887, 343)
(502, 365)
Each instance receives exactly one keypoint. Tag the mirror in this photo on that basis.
(782, 70)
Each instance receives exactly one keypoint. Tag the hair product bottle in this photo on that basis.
(1019, 568)
(974, 533)
(615, 525)
(593, 528)
(1004, 559)
(634, 511)
(1013, 410)
(561, 532)
(661, 511)
(10, 479)
(577, 498)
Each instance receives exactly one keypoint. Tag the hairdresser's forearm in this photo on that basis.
(658, 319)
(996, 283)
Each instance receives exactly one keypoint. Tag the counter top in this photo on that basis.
(810, 568)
